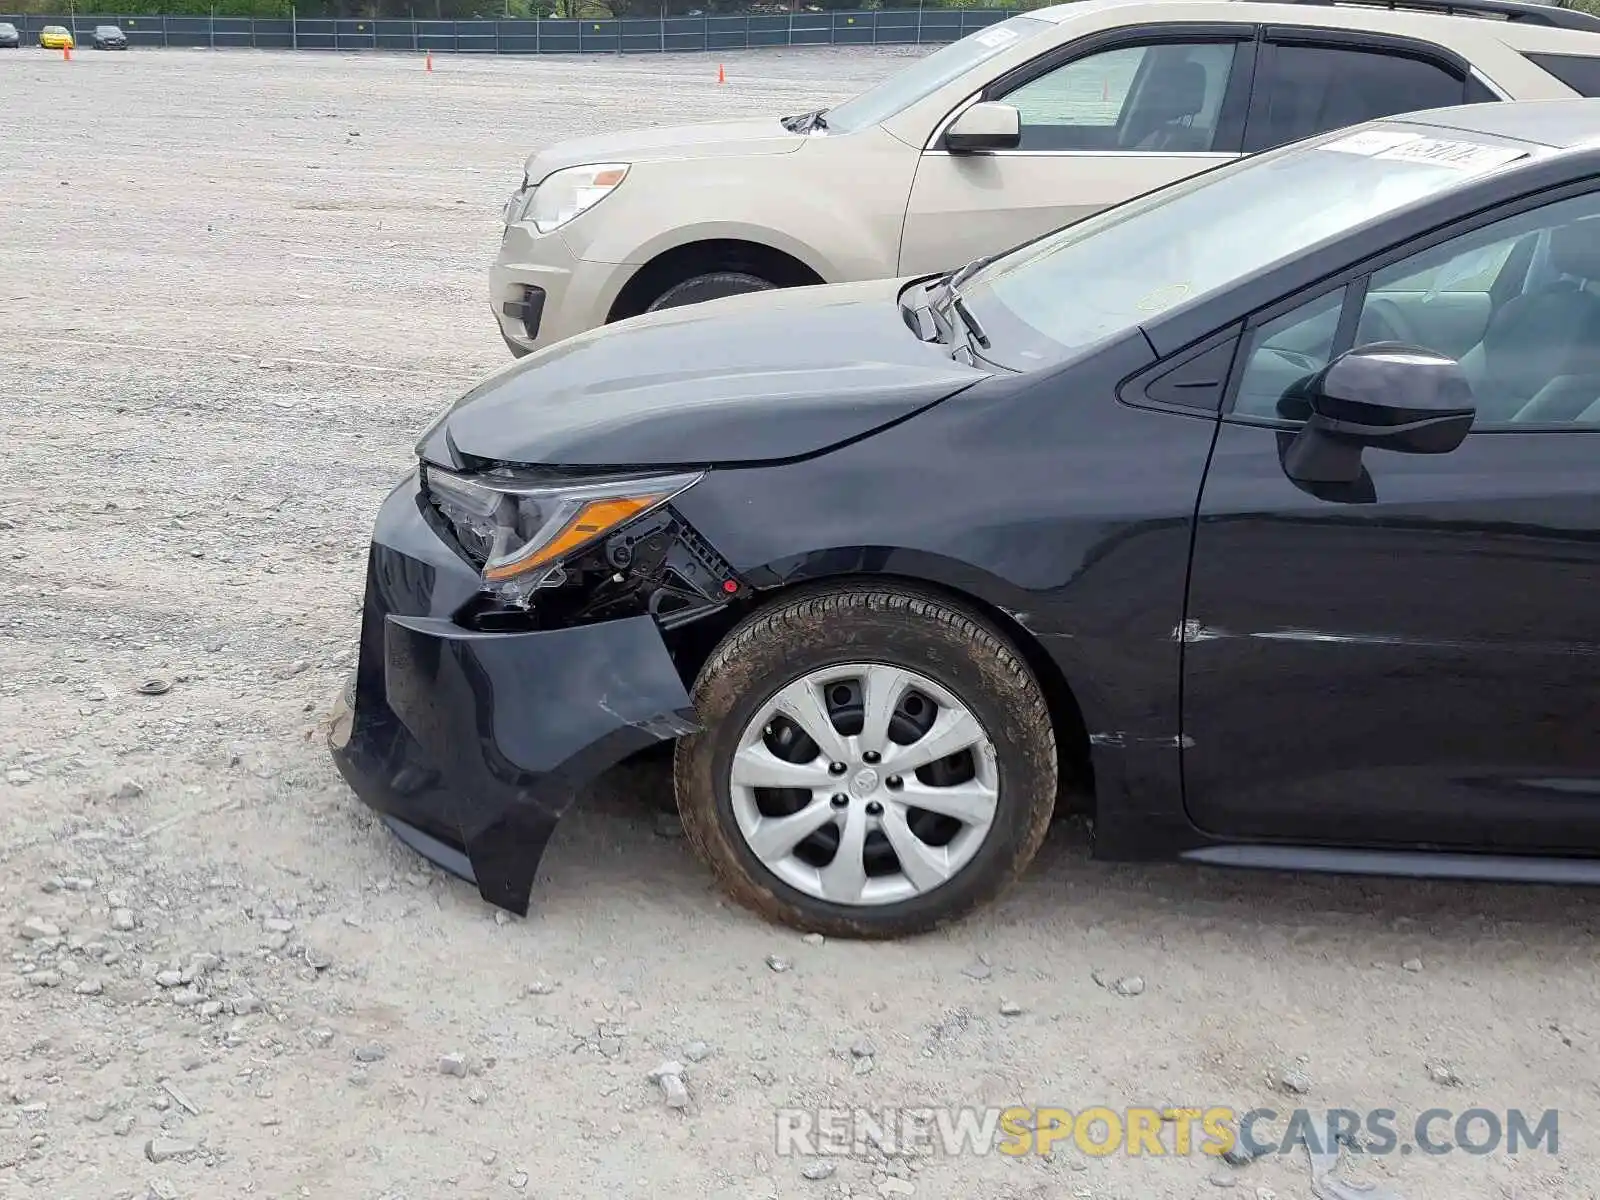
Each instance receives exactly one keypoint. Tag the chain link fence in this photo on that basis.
(611, 35)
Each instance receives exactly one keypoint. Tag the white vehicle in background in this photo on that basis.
(1015, 130)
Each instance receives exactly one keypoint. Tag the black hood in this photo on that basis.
(756, 378)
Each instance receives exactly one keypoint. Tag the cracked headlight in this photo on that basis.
(562, 195)
(520, 529)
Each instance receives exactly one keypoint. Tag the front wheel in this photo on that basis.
(711, 286)
(873, 763)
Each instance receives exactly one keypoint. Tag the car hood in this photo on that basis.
(677, 141)
(755, 378)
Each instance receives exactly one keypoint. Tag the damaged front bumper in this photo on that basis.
(472, 745)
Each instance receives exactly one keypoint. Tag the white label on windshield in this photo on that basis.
(1464, 156)
(995, 38)
(1371, 141)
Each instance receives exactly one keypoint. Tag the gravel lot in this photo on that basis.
(234, 288)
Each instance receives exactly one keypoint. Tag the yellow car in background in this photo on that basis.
(56, 37)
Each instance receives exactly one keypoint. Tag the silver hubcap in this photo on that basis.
(864, 784)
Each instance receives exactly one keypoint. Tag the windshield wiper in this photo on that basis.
(952, 289)
(968, 319)
(959, 276)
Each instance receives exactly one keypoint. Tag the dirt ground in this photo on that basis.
(233, 289)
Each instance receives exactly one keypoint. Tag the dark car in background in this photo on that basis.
(10, 38)
(1260, 513)
(109, 37)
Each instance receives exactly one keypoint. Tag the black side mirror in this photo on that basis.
(1386, 396)
(987, 125)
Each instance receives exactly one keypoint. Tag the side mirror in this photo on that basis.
(987, 125)
(1383, 396)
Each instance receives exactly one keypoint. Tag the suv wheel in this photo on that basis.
(873, 763)
(711, 286)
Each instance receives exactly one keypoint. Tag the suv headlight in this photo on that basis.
(520, 529)
(562, 195)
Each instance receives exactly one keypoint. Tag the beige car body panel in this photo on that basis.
(886, 201)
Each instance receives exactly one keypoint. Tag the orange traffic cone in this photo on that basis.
(430, 60)
(722, 76)
(66, 52)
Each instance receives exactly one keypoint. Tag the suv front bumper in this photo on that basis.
(470, 745)
(539, 277)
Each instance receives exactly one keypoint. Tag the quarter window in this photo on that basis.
(1578, 72)
(1164, 98)
(1314, 89)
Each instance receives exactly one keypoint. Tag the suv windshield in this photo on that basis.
(1110, 273)
(927, 75)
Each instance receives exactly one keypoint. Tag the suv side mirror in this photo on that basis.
(987, 125)
(1386, 396)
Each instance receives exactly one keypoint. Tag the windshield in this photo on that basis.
(928, 75)
(1109, 273)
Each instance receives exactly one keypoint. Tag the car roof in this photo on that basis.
(1558, 124)
(1536, 27)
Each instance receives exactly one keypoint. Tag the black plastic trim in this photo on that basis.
(529, 310)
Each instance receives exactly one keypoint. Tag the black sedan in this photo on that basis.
(110, 37)
(1260, 515)
(10, 38)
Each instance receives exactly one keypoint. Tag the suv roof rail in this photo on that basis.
(1519, 11)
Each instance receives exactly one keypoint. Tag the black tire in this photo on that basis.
(959, 652)
(712, 286)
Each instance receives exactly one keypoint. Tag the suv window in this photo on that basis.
(1164, 98)
(1517, 302)
(1578, 72)
(1301, 91)
(926, 75)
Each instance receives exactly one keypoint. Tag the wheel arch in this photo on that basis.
(704, 255)
(1072, 703)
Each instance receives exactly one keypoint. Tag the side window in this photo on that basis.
(1307, 90)
(1578, 72)
(1155, 98)
(1517, 303)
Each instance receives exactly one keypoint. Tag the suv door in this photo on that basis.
(1103, 120)
(1311, 81)
(1414, 659)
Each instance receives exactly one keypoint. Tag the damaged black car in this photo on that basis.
(1255, 517)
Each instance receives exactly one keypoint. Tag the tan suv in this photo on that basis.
(1024, 126)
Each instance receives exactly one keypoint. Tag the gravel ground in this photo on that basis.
(234, 288)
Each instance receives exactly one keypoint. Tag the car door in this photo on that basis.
(1104, 119)
(1414, 660)
(1310, 81)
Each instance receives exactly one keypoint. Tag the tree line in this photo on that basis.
(464, 10)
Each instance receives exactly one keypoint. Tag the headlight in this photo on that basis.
(513, 209)
(519, 530)
(564, 194)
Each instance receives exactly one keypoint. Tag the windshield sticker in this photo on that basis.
(1464, 156)
(1371, 141)
(1164, 298)
(995, 38)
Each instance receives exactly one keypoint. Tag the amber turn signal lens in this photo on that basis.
(592, 520)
